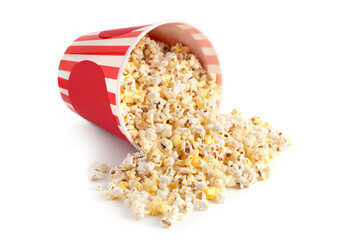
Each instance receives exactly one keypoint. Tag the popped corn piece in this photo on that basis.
(158, 127)
(200, 185)
(263, 170)
(100, 166)
(267, 125)
(176, 140)
(256, 120)
(95, 175)
(138, 204)
(212, 193)
(128, 163)
(169, 162)
(164, 181)
(158, 206)
(171, 217)
(249, 140)
(186, 147)
(182, 205)
(144, 167)
(116, 190)
(199, 129)
(219, 183)
(165, 145)
(97, 170)
(163, 193)
(249, 163)
(146, 144)
(138, 210)
(151, 134)
(167, 131)
(149, 185)
(201, 204)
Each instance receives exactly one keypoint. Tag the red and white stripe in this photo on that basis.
(108, 53)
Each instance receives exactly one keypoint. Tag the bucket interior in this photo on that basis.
(171, 34)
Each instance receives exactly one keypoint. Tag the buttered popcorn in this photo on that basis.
(189, 152)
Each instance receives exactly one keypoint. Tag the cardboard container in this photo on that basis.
(91, 68)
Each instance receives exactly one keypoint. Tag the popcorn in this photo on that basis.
(129, 162)
(189, 152)
(263, 170)
(95, 175)
(212, 193)
(158, 206)
(166, 132)
(171, 217)
(144, 167)
(201, 204)
(138, 205)
(169, 162)
(97, 171)
(164, 181)
(115, 192)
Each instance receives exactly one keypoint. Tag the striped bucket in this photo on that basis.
(90, 70)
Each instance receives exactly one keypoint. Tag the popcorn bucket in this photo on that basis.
(91, 69)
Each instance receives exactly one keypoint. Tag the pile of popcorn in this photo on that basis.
(189, 152)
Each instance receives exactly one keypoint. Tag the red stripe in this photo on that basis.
(204, 43)
(112, 98)
(63, 83)
(89, 37)
(109, 72)
(212, 59)
(117, 120)
(66, 65)
(218, 79)
(98, 50)
(129, 35)
(66, 98)
(96, 36)
(120, 134)
(193, 30)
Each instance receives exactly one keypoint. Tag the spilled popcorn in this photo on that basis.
(189, 152)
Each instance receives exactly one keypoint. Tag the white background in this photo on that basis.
(289, 62)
